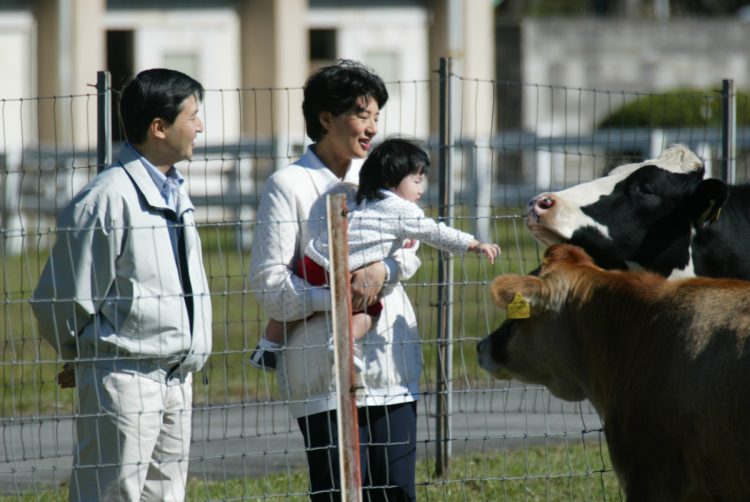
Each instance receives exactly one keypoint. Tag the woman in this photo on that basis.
(341, 106)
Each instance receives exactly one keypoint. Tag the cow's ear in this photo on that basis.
(707, 201)
(506, 288)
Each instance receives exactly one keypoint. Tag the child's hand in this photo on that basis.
(488, 249)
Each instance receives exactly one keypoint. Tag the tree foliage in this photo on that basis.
(681, 108)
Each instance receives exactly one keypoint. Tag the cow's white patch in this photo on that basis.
(559, 223)
(557, 226)
(564, 228)
(677, 273)
(677, 159)
(683, 273)
(689, 270)
(588, 193)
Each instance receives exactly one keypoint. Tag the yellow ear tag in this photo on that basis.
(710, 215)
(519, 308)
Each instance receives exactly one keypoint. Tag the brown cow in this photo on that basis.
(665, 363)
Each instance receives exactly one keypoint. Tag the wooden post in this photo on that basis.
(346, 416)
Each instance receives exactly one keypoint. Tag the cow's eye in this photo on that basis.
(643, 189)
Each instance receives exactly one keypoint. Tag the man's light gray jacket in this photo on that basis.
(111, 291)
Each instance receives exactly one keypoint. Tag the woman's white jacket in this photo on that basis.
(391, 350)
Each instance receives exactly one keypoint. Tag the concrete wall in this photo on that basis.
(274, 55)
(623, 57)
(69, 52)
(203, 43)
(392, 41)
(18, 42)
(635, 55)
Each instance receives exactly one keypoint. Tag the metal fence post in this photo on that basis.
(103, 120)
(728, 132)
(444, 383)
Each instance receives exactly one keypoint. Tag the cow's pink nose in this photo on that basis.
(543, 202)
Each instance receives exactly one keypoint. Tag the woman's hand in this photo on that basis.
(367, 283)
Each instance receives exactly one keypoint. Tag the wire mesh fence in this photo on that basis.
(509, 141)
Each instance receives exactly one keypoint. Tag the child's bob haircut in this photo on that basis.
(388, 164)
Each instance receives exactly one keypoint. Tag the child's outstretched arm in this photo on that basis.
(490, 250)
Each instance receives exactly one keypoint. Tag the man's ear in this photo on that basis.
(158, 128)
(325, 119)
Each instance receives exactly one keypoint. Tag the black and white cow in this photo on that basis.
(660, 215)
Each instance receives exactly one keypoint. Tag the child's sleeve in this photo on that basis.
(413, 224)
(409, 262)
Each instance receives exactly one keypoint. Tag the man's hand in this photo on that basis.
(66, 379)
(367, 283)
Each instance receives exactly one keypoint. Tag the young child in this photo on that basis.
(384, 219)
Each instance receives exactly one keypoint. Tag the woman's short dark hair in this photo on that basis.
(336, 89)
(388, 164)
(158, 92)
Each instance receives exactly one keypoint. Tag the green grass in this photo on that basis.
(576, 471)
(28, 365)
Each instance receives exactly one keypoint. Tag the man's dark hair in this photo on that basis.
(388, 164)
(336, 89)
(158, 92)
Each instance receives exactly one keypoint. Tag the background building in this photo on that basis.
(619, 55)
(55, 47)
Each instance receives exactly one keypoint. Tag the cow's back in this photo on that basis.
(684, 409)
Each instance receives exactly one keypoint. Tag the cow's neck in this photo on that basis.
(722, 248)
(615, 354)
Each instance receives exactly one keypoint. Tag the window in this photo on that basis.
(322, 46)
(120, 64)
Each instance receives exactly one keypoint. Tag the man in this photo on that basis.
(124, 300)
